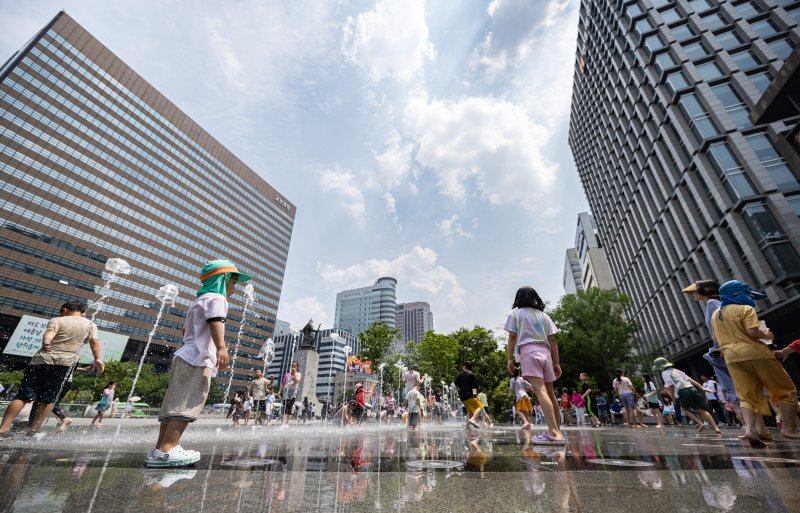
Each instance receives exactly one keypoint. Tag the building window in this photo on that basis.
(664, 61)
(730, 171)
(764, 28)
(633, 11)
(794, 202)
(682, 32)
(654, 43)
(761, 81)
(702, 5)
(695, 50)
(745, 60)
(643, 26)
(671, 15)
(709, 71)
(677, 81)
(729, 39)
(771, 239)
(659, 3)
(714, 20)
(697, 117)
(734, 105)
(782, 48)
(748, 9)
(776, 167)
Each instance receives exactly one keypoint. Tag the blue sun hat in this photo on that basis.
(216, 274)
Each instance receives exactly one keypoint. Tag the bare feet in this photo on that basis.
(765, 436)
(67, 422)
(643, 425)
(754, 441)
(701, 428)
(791, 435)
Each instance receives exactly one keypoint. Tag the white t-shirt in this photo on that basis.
(411, 378)
(676, 378)
(531, 325)
(412, 397)
(247, 406)
(711, 385)
(518, 386)
(623, 386)
(198, 349)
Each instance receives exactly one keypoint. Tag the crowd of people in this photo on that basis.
(750, 383)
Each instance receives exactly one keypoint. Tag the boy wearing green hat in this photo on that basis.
(203, 353)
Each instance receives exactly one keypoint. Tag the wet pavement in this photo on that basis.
(439, 469)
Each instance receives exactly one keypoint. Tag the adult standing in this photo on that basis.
(752, 365)
(411, 378)
(627, 396)
(707, 291)
(688, 391)
(258, 391)
(47, 371)
(288, 392)
(711, 388)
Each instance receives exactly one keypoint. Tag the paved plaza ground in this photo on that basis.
(440, 469)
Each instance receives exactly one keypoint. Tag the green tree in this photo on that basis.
(595, 337)
(377, 346)
(151, 387)
(436, 355)
(479, 346)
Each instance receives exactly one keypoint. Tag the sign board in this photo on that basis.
(27, 340)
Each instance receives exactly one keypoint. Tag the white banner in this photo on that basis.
(27, 340)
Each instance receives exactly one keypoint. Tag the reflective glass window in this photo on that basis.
(733, 104)
(709, 70)
(748, 9)
(677, 81)
(702, 5)
(695, 50)
(682, 32)
(782, 48)
(697, 116)
(729, 39)
(654, 43)
(714, 20)
(775, 165)
(761, 81)
(643, 25)
(665, 61)
(745, 59)
(764, 28)
(633, 10)
(671, 15)
(730, 170)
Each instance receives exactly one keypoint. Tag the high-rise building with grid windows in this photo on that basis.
(95, 163)
(681, 184)
(414, 320)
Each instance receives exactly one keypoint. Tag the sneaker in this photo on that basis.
(546, 439)
(165, 479)
(177, 457)
(473, 424)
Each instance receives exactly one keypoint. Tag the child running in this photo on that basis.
(104, 404)
(518, 388)
(531, 335)
(203, 353)
(467, 387)
(586, 393)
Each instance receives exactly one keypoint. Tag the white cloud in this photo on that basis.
(419, 275)
(395, 161)
(390, 41)
(391, 209)
(450, 228)
(490, 142)
(513, 28)
(297, 313)
(345, 185)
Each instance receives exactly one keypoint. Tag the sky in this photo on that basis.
(424, 140)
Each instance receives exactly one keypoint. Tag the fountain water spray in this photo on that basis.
(402, 369)
(380, 399)
(249, 297)
(267, 353)
(347, 351)
(335, 338)
(166, 295)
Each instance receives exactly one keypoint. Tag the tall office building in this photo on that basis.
(595, 270)
(414, 320)
(358, 309)
(572, 272)
(95, 163)
(682, 185)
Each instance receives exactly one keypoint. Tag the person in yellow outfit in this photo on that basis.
(752, 365)
(467, 387)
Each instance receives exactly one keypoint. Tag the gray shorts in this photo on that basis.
(186, 393)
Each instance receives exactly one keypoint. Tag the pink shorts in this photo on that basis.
(537, 362)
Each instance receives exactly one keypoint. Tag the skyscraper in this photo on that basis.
(358, 309)
(572, 272)
(681, 184)
(595, 271)
(414, 320)
(95, 163)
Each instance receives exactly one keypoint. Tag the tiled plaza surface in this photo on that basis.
(438, 469)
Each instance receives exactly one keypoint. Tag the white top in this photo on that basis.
(623, 386)
(247, 406)
(412, 397)
(198, 349)
(676, 378)
(531, 325)
(411, 378)
(711, 385)
(519, 386)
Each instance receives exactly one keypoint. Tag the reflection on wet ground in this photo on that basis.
(438, 469)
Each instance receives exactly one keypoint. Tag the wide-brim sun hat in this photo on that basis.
(661, 363)
(215, 267)
(359, 386)
(691, 289)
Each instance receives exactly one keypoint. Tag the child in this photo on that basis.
(566, 406)
(467, 387)
(248, 406)
(602, 408)
(414, 402)
(586, 394)
(238, 407)
(580, 406)
(531, 336)
(104, 404)
(669, 410)
(270, 404)
(203, 353)
(518, 388)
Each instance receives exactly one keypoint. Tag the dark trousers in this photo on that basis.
(716, 406)
(58, 411)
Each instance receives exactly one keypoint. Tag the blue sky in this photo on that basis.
(425, 140)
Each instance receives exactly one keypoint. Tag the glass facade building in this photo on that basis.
(682, 185)
(358, 309)
(414, 320)
(95, 163)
